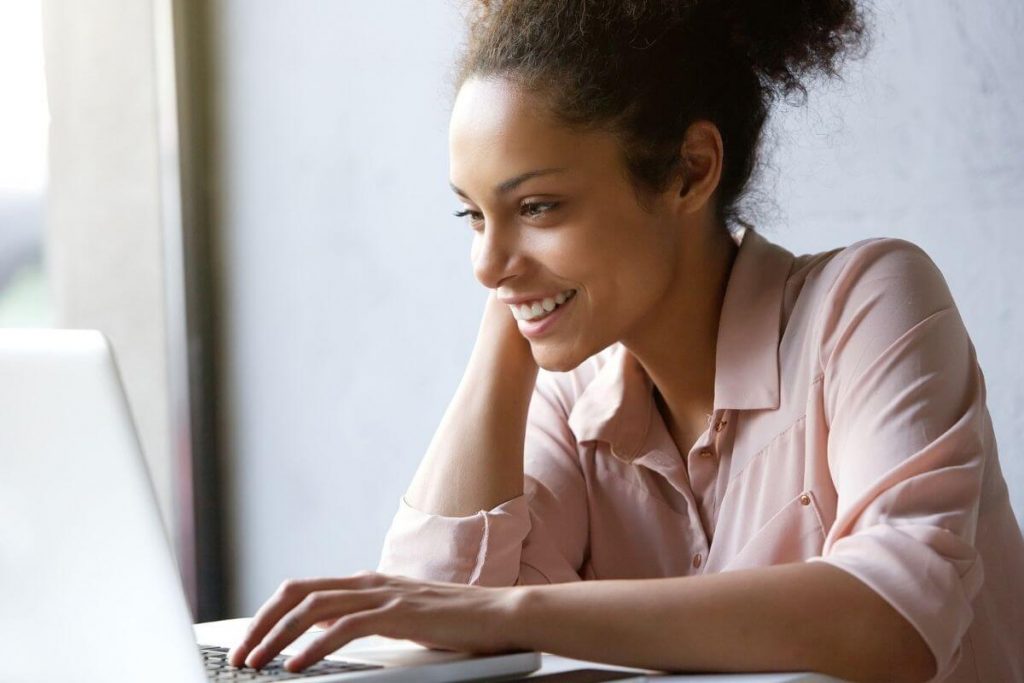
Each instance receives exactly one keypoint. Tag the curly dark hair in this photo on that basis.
(646, 69)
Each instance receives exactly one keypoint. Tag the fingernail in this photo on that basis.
(253, 657)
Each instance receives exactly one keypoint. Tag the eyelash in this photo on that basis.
(548, 207)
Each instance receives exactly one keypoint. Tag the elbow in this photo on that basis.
(907, 651)
(901, 654)
(897, 666)
(921, 667)
(877, 643)
(916, 672)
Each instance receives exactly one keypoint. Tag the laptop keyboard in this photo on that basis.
(217, 668)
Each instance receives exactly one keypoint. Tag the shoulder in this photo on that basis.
(869, 294)
(876, 259)
(888, 269)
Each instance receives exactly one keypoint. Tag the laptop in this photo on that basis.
(89, 588)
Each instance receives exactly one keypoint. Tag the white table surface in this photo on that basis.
(228, 632)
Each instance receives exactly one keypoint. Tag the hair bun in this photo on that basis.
(786, 41)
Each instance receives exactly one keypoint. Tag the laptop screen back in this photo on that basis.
(87, 577)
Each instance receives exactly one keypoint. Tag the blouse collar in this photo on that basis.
(618, 404)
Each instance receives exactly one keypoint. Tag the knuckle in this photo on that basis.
(316, 600)
(288, 587)
(352, 623)
(369, 578)
(396, 603)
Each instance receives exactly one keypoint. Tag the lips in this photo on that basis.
(543, 325)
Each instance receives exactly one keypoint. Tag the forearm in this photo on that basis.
(796, 617)
(475, 460)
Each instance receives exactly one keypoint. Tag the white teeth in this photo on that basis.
(540, 308)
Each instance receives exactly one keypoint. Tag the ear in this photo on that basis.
(701, 156)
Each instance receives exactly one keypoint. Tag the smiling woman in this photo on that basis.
(668, 424)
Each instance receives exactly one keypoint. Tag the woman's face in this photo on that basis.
(553, 212)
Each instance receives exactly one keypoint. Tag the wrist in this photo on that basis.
(500, 342)
(518, 604)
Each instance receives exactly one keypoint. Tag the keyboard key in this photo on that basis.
(218, 669)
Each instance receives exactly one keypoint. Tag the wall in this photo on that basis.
(349, 308)
(348, 304)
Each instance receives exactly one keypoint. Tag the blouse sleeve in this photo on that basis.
(538, 537)
(908, 440)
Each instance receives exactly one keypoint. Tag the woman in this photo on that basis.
(758, 461)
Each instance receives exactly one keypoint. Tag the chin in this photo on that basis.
(556, 359)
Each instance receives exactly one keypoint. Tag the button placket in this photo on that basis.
(711, 453)
(702, 468)
(720, 422)
(710, 450)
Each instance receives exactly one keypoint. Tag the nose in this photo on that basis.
(496, 255)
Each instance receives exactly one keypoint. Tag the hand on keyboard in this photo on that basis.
(440, 615)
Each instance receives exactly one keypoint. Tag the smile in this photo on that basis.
(539, 309)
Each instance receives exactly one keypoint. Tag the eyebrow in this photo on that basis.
(512, 183)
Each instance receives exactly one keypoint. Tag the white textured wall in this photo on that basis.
(350, 308)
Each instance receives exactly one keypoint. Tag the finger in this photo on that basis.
(315, 607)
(288, 594)
(347, 628)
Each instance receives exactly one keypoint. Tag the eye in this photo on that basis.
(529, 209)
(474, 216)
(536, 209)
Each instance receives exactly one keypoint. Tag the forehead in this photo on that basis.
(498, 130)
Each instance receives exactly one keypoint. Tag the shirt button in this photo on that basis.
(805, 499)
(720, 425)
(705, 453)
(696, 560)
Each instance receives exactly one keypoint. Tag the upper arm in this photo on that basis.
(904, 395)
(908, 438)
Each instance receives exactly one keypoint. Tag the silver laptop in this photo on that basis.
(89, 589)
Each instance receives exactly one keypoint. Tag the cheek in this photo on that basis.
(636, 265)
(634, 287)
(619, 288)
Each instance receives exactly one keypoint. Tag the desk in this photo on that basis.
(230, 631)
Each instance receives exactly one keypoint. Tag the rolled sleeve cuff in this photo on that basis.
(481, 549)
(921, 584)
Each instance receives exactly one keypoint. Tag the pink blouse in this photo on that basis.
(849, 427)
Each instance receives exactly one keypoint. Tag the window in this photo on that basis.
(25, 299)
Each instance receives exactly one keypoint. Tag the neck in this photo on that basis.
(677, 342)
